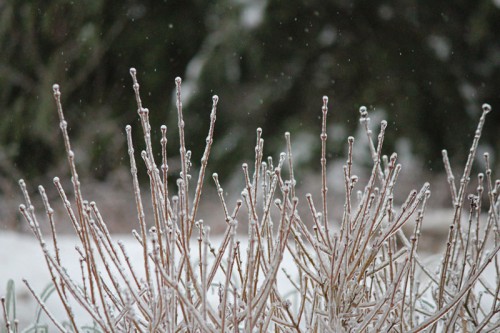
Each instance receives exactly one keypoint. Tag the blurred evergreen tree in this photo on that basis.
(427, 65)
(88, 49)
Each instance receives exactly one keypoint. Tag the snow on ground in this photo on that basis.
(21, 258)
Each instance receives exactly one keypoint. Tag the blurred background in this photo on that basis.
(425, 66)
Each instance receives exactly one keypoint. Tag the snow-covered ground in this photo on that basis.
(21, 258)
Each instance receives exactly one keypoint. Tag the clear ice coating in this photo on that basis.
(363, 112)
(486, 107)
(354, 255)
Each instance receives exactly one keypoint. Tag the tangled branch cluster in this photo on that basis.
(364, 275)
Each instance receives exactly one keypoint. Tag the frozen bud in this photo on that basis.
(474, 200)
(354, 179)
(215, 99)
(178, 80)
(55, 88)
(350, 139)
(132, 71)
(63, 125)
(325, 101)
(286, 304)
(363, 112)
(486, 108)
(207, 228)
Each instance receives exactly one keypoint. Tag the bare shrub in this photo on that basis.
(363, 275)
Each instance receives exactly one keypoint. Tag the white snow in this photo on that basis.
(21, 258)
